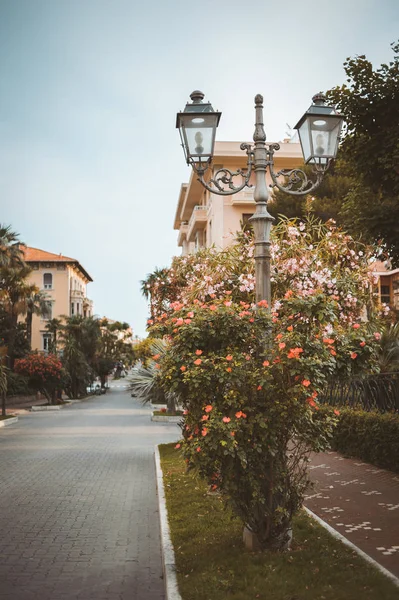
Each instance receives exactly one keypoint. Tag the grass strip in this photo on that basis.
(6, 417)
(163, 413)
(212, 563)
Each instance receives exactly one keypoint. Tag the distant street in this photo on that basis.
(78, 508)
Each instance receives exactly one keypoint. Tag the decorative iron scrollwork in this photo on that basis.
(224, 177)
(297, 182)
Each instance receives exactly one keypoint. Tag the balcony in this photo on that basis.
(76, 294)
(243, 198)
(197, 222)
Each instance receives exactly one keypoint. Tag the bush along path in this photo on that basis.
(360, 501)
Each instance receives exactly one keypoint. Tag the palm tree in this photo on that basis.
(14, 292)
(388, 355)
(11, 252)
(37, 303)
(53, 327)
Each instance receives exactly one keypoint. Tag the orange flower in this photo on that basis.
(362, 344)
(251, 320)
(213, 307)
(247, 357)
(306, 382)
(279, 336)
(229, 369)
(263, 303)
(356, 326)
(187, 321)
(229, 357)
(232, 433)
(336, 412)
(259, 387)
(204, 432)
(205, 417)
(190, 314)
(265, 363)
(208, 408)
(240, 414)
(183, 368)
(328, 341)
(353, 355)
(198, 361)
(198, 352)
(157, 366)
(294, 352)
(288, 294)
(226, 419)
(332, 352)
(228, 293)
(156, 356)
(281, 345)
(198, 449)
(177, 446)
(290, 328)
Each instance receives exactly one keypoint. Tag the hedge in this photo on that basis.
(370, 436)
(17, 385)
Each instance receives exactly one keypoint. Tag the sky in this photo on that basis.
(90, 160)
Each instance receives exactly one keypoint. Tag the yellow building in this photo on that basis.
(203, 219)
(64, 281)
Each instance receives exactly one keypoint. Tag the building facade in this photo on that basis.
(64, 282)
(204, 219)
(387, 284)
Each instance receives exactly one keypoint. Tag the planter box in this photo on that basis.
(10, 421)
(166, 418)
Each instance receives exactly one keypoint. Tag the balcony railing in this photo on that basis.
(244, 197)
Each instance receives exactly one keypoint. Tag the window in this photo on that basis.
(46, 341)
(72, 308)
(386, 294)
(48, 281)
(77, 308)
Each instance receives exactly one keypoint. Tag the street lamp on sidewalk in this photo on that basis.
(318, 130)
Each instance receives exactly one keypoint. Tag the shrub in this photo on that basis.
(44, 372)
(369, 436)
(18, 385)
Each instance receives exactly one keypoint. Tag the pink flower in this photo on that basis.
(377, 335)
(362, 344)
(353, 355)
(306, 382)
(177, 446)
(226, 419)
(183, 368)
(356, 326)
(229, 357)
(198, 352)
(213, 307)
(227, 303)
(198, 361)
(190, 314)
(208, 408)
(265, 363)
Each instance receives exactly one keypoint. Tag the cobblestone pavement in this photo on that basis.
(361, 502)
(78, 508)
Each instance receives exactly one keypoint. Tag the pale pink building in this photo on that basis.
(204, 219)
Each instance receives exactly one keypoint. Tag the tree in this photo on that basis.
(37, 303)
(53, 326)
(14, 295)
(369, 152)
(249, 378)
(44, 373)
(11, 253)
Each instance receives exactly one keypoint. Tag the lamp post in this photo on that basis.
(318, 130)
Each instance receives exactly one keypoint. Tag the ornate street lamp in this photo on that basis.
(318, 129)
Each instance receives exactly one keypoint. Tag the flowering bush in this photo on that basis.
(307, 256)
(249, 377)
(44, 372)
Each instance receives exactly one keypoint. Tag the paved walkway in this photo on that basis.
(361, 502)
(78, 508)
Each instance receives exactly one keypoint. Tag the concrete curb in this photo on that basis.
(6, 422)
(352, 546)
(42, 408)
(168, 554)
(166, 418)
